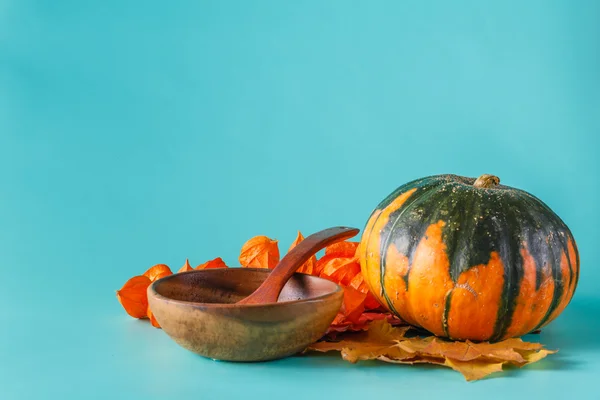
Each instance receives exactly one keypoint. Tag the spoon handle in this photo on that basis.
(269, 290)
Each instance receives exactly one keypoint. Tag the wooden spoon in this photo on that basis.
(269, 290)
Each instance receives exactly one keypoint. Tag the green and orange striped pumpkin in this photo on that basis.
(469, 258)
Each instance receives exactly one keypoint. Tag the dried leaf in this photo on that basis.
(133, 297)
(365, 345)
(186, 267)
(534, 356)
(158, 271)
(341, 324)
(260, 252)
(153, 320)
(342, 249)
(474, 360)
(309, 266)
(216, 263)
(474, 370)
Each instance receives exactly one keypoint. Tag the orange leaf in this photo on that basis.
(216, 263)
(260, 252)
(186, 267)
(342, 249)
(153, 320)
(133, 297)
(340, 269)
(309, 266)
(158, 271)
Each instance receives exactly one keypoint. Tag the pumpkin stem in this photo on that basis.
(487, 181)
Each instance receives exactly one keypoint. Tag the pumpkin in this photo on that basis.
(469, 258)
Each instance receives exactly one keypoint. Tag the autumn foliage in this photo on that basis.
(363, 329)
(397, 345)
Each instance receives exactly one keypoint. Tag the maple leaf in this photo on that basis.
(474, 360)
(260, 252)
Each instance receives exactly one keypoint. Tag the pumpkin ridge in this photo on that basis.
(513, 262)
(553, 240)
(381, 221)
(569, 262)
(555, 246)
(384, 240)
(367, 233)
(559, 287)
(569, 289)
(429, 280)
(548, 234)
(466, 223)
(418, 227)
(452, 234)
(577, 261)
(422, 193)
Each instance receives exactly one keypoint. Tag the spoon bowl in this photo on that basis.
(198, 310)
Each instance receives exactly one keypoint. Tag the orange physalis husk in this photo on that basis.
(342, 249)
(341, 270)
(358, 283)
(216, 263)
(321, 262)
(260, 252)
(186, 267)
(354, 304)
(158, 271)
(153, 320)
(162, 275)
(331, 260)
(309, 266)
(133, 297)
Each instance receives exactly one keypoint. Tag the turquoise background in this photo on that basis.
(133, 133)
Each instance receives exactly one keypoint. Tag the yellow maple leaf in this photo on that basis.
(473, 360)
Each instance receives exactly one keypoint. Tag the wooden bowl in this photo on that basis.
(197, 309)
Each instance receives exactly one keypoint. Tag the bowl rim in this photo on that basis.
(152, 290)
